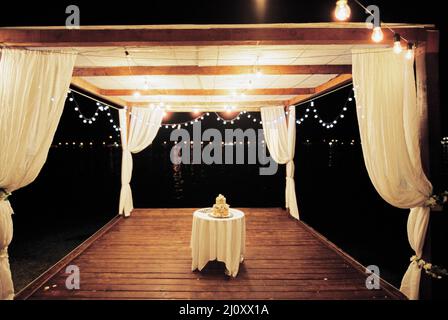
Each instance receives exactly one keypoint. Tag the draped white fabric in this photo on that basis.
(143, 128)
(280, 136)
(218, 239)
(33, 89)
(390, 124)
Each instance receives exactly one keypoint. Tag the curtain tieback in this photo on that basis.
(4, 253)
(4, 195)
(436, 201)
(418, 260)
(422, 264)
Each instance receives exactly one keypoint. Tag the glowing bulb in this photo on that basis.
(377, 34)
(195, 111)
(342, 11)
(136, 94)
(259, 73)
(410, 51)
(397, 44)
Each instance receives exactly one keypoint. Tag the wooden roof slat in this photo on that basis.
(200, 106)
(90, 88)
(334, 83)
(206, 92)
(210, 70)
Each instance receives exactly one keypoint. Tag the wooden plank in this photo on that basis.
(201, 106)
(90, 88)
(206, 92)
(390, 289)
(139, 258)
(33, 286)
(216, 35)
(209, 70)
(188, 295)
(334, 83)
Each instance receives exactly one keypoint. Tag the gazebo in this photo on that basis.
(148, 70)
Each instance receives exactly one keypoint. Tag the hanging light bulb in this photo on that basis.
(397, 44)
(136, 94)
(342, 11)
(410, 51)
(259, 73)
(377, 34)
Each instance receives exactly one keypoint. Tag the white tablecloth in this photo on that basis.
(222, 239)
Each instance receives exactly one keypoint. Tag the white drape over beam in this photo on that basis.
(280, 136)
(33, 89)
(143, 128)
(390, 123)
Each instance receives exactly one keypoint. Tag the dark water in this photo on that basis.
(77, 192)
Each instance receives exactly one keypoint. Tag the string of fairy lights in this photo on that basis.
(310, 111)
(100, 108)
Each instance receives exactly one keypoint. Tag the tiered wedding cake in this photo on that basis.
(220, 208)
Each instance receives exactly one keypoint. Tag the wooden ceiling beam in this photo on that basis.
(334, 83)
(214, 35)
(92, 89)
(210, 70)
(206, 92)
(201, 106)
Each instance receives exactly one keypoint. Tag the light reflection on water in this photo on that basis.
(178, 182)
(445, 159)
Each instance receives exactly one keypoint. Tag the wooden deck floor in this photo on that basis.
(147, 256)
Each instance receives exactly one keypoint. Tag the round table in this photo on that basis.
(222, 239)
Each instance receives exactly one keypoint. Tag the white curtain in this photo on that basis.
(390, 124)
(143, 128)
(33, 89)
(280, 136)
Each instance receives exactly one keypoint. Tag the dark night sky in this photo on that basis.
(216, 11)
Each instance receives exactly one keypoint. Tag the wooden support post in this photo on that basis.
(432, 156)
(128, 121)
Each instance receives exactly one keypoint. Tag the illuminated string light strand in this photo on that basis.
(101, 107)
(311, 112)
(343, 11)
